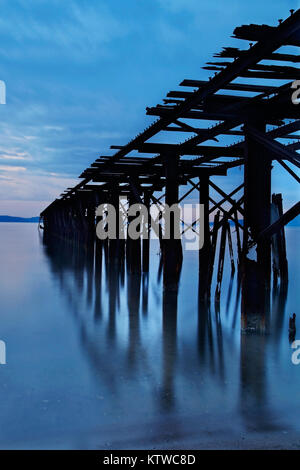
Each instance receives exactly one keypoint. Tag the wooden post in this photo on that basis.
(230, 248)
(238, 238)
(280, 264)
(114, 243)
(172, 249)
(256, 273)
(221, 260)
(146, 241)
(133, 247)
(204, 253)
(212, 253)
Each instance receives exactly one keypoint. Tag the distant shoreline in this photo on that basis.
(8, 218)
(35, 220)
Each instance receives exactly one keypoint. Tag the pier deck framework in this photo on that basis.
(243, 116)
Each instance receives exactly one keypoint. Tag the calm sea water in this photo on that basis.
(98, 360)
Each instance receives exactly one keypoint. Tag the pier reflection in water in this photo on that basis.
(166, 351)
(100, 356)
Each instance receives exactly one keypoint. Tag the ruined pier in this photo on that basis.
(244, 116)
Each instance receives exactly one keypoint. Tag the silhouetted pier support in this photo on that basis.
(114, 243)
(172, 249)
(224, 232)
(98, 276)
(280, 264)
(256, 273)
(90, 221)
(146, 239)
(205, 251)
(133, 247)
(212, 255)
(79, 215)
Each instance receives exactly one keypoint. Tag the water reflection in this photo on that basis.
(90, 267)
(136, 338)
(279, 298)
(253, 393)
(100, 357)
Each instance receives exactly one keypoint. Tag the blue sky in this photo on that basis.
(79, 74)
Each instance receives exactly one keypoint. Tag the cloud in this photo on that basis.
(13, 156)
(54, 128)
(59, 135)
(12, 168)
(29, 186)
(57, 29)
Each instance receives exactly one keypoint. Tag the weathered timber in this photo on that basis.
(244, 112)
(257, 274)
(204, 253)
(280, 264)
(172, 249)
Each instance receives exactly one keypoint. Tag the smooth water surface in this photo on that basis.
(99, 359)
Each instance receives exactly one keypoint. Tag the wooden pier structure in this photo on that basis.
(243, 116)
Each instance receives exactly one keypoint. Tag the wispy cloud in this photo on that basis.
(27, 186)
(12, 168)
(54, 29)
(13, 156)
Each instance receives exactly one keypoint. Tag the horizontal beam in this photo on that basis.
(281, 69)
(276, 147)
(197, 150)
(157, 173)
(165, 111)
(233, 53)
(231, 86)
(259, 74)
(255, 32)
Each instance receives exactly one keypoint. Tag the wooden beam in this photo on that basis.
(287, 217)
(197, 150)
(231, 86)
(233, 52)
(275, 147)
(288, 169)
(226, 197)
(255, 32)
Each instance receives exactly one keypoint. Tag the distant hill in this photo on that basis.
(8, 218)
